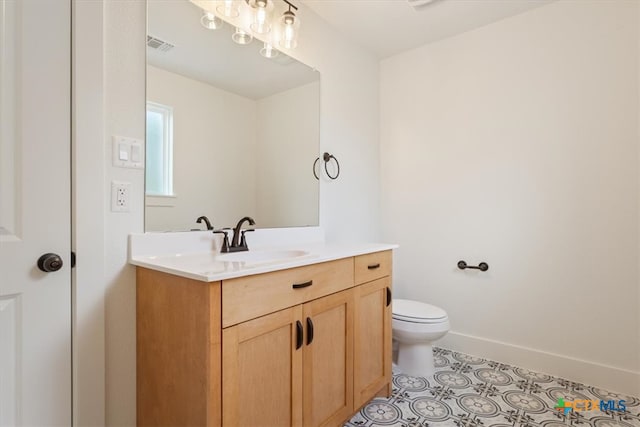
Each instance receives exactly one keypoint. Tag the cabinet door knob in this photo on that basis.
(299, 333)
(309, 331)
(388, 296)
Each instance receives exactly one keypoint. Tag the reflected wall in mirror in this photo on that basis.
(229, 132)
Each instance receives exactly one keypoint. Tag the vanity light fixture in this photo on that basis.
(255, 18)
(228, 8)
(268, 51)
(261, 12)
(290, 26)
(211, 21)
(241, 36)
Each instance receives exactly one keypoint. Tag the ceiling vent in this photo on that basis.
(421, 4)
(156, 43)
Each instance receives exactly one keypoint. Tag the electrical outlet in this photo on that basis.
(120, 196)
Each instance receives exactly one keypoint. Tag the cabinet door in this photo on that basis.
(372, 342)
(328, 359)
(262, 371)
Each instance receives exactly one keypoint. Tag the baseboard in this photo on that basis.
(582, 371)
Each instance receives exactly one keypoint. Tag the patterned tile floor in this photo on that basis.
(467, 391)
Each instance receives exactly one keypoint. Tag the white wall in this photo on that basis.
(350, 205)
(124, 114)
(517, 144)
(88, 212)
(349, 129)
(214, 136)
(286, 146)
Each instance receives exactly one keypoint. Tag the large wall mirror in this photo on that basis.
(229, 132)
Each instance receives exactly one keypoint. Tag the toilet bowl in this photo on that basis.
(415, 326)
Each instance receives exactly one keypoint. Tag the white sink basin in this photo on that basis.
(257, 257)
(194, 262)
(210, 263)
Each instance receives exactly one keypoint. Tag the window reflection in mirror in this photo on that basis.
(159, 144)
(243, 129)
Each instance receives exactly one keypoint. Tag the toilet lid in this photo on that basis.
(418, 312)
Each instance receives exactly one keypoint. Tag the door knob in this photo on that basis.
(50, 262)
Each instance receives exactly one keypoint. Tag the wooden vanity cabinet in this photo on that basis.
(259, 351)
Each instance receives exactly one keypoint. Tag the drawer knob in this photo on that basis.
(373, 266)
(302, 285)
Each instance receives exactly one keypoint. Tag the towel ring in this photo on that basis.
(326, 157)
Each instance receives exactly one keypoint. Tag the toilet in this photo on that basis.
(415, 326)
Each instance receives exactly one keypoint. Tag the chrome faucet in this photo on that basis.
(239, 241)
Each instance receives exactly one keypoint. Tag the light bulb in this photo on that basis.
(241, 36)
(290, 26)
(268, 51)
(211, 21)
(260, 23)
(229, 9)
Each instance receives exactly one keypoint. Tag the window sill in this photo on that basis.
(160, 200)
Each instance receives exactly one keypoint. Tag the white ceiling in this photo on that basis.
(388, 27)
(384, 27)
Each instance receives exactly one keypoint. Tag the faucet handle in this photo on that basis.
(243, 240)
(225, 239)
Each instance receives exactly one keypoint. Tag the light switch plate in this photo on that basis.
(128, 152)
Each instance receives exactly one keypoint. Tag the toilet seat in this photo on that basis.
(417, 312)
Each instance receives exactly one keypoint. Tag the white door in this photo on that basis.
(35, 307)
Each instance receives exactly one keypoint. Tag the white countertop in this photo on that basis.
(210, 266)
(196, 255)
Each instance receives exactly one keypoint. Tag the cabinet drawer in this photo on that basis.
(372, 266)
(249, 297)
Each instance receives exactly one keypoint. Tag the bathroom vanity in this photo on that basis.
(256, 340)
